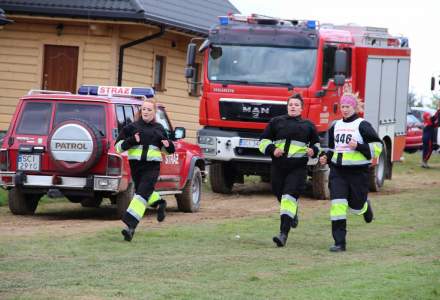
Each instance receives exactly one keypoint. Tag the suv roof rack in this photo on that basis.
(33, 92)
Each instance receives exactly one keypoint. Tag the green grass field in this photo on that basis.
(395, 257)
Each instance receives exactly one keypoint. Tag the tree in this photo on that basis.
(413, 100)
(434, 101)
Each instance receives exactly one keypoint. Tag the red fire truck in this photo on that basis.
(253, 64)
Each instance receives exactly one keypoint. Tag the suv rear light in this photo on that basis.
(4, 160)
(6, 180)
(114, 165)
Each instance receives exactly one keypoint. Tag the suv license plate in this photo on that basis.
(28, 162)
(249, 143)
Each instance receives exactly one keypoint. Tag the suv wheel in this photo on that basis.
(123, 200)
(91, 201)
(189, 200)
(22, 204)
(74, 199)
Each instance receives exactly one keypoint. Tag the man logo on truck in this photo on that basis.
(256, 111)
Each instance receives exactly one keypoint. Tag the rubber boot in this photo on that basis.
(368, 214)
(280, 240)
(285, 224)
(161, 206)
(295, 221)
(337, 248)
(339, 231)
(128, 233)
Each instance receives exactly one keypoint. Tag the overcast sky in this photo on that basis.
(417, 20)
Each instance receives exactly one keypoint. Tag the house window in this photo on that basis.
(195, 82)
(159, 73)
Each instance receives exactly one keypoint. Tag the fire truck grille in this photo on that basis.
(249, 111)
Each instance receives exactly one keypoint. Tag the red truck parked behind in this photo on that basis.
(253, 64)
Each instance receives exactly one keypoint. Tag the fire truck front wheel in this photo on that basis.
(221, 179)
(21, 203)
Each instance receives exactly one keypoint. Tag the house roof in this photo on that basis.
(193, 16)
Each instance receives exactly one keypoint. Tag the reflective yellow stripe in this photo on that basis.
(154, 155)
(352, 158)
(360, 211)
(135, 152)
(263, 145)
(338, 210)
(296, 148)
(137, 207)
(280, 144)
(154, 197)
(297, 151)
(118, 146)
(288, 205)
(376, 149)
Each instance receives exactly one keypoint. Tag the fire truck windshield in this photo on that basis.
(261, 65)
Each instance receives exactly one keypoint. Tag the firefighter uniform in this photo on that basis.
(293, 135)
(144, 158)
(349, 173)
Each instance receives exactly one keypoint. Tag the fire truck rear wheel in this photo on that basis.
(189, 200)
(123, 200)
(220, 179)
(378, 172)
(320, 188)
(22, 204)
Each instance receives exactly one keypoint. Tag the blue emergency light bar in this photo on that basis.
(311, 24)
(101, 90)
(224, 20)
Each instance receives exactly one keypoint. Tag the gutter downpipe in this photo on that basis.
(134, 43)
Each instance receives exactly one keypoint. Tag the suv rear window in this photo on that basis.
(35, 118)
(91, 113)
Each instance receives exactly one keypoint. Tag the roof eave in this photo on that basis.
(139, 17)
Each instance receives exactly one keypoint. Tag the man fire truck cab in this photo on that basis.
(252, 65)
(66, 142)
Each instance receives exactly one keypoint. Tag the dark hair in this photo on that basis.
(298, 97)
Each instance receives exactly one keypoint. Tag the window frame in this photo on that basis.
(103, 130)
(159, 84)
(51, 117)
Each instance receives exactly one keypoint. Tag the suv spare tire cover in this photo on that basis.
(74, 146)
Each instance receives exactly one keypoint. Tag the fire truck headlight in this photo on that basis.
(206, 140)
(208, 144)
